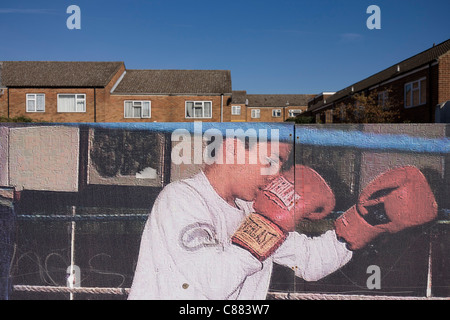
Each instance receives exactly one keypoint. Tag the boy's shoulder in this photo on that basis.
(196, 185)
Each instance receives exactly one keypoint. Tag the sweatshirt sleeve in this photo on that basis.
(182, 223)
(313, 258)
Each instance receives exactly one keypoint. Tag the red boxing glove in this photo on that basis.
(280, 206)
(396, 200)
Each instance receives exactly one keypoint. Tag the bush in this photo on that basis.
(304, 119)
(15, 119)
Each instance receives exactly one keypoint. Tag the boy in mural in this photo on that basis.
(217, 234)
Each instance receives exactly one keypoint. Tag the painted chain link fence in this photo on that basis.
(75, 199)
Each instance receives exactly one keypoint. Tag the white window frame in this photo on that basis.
(255, 113)
(202, 102)
(135, 102)
(342, 112)
(383, 97)
(329, 116)
(276, 113)
(77, 99)
(294, 112)
(236, 110)
(33, 97)
(419, 89)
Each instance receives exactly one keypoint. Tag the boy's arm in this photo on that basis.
(313, 258)
(214, 267)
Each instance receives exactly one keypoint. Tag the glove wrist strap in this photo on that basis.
(259, 236)
(355, 230)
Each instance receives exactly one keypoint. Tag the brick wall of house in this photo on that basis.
(96, 101)
(236, 118)
(18, 98)
(286, 113)
(265, 115)
(444, 78)
(164, 108)
(419, 114)
(4, 103)
(103, 96)
(422, 113)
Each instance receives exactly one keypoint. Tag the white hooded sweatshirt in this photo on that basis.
(186, 250)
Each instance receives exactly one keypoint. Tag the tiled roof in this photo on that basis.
(239, 97)
(58, 73)
(175, 82)
(278, 100)
(1, 67)
(414, 62)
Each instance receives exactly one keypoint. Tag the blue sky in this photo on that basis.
(270, 46)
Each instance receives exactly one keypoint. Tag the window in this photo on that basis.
(329, 116)
(415, 93)
(359, 111)
(71, 103)
(235, 110)
(276, 113)
(294, 113)
(198, 109)
(256, 113)
(343, 112)
(383, 98)
(137, 109)
(35, 102)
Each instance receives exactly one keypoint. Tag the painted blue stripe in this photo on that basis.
(304, 135)
(285, 130)
(373, 141)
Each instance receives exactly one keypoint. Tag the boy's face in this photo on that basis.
(250, 178)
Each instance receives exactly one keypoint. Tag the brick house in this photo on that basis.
(3, 95)
(170, 96)
(58, 91)
(418, 87)
(266, 107)
(107, 92)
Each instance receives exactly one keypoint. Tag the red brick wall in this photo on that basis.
(444, 78)
(4, 103)
(286, 113)
(96, 102)
(166, 108)
(17, 105)
(423, 113)
(419, 114)
(265, 115)
(103, 96)
(236, 118)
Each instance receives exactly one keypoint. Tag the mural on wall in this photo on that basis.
(224, 211)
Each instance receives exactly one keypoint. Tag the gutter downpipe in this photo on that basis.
(7, 90)
(221, 107)
(95, 105)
